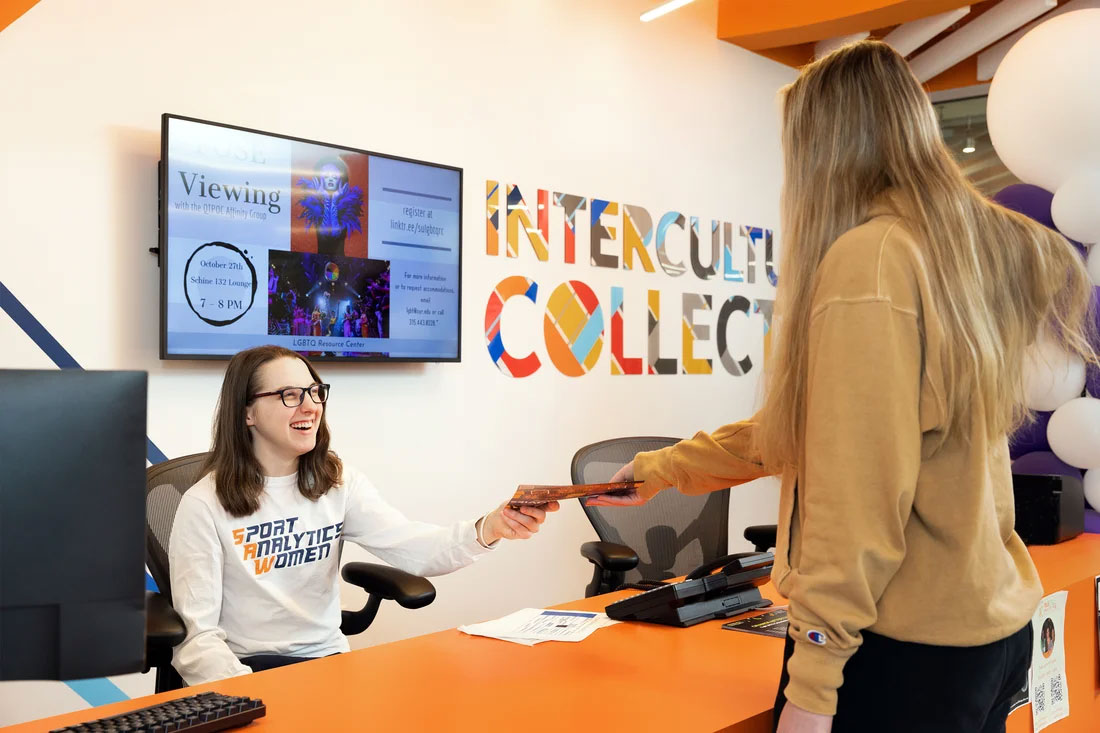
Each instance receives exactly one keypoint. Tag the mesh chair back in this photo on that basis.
(672, 533)
(165, 484)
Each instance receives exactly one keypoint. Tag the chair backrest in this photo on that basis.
(165, 484)
(672, 533)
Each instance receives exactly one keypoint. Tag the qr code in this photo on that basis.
(1057, 691)
(1040, 701)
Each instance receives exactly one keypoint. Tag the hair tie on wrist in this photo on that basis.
(481, 531)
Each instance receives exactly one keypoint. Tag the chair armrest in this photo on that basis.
(762, 536)
(164, 628)
(610, 556)
(391, 584)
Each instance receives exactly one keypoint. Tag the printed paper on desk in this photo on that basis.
(535, 625)
(1049, 692)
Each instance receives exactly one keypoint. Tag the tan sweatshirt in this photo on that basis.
(878, 528)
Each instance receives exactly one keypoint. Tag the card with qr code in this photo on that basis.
(1049, 693)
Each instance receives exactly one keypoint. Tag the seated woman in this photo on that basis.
(254, 550)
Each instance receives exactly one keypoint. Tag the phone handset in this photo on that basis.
(732, 563)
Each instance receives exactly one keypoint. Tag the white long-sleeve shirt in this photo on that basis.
(268, 583)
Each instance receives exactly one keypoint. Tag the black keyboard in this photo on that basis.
(207, 711)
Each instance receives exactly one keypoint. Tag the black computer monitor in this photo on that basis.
(72, 523)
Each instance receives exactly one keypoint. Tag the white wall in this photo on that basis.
(567, 95)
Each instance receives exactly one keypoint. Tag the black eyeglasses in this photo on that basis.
(293, 396)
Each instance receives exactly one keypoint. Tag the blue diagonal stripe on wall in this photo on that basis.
(57, 353)
(98, 691)
(35, 330)
(94, 691)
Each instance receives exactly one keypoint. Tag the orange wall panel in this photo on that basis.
(758, 25)
(10, 10)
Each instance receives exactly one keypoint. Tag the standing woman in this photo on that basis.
(347, 321)
(906, 302)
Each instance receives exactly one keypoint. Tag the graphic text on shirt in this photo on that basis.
(275, 545)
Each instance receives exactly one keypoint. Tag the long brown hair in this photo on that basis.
(857, 124)
(238, 477)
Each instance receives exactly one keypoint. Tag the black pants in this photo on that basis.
(902, 687)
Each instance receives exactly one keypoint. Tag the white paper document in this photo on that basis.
(1049, 695)
(532, 626)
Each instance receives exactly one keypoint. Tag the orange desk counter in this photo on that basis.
(1072, 566)
(627, 677)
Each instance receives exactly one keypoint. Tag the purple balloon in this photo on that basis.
(1092, 521)
(1034, 203)
(1044, 463)
(1031, 201)
(1030, 438)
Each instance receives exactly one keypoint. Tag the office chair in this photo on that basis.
(674, 532)
(165, 484)
(678, 532)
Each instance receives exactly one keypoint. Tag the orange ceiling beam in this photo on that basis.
(783, 30)
(10, 10)
(796, 56)
(757, 25)
(962, 74)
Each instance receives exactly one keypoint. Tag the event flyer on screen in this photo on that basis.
(322, 250)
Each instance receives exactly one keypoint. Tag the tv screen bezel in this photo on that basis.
(162, 242)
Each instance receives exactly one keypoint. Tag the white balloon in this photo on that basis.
(1076, 206)
(1043, 109)
(1052, 377)
(1092, 488)
(1094, 264)
(1074, 432)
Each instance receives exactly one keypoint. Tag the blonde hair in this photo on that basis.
(857, 124)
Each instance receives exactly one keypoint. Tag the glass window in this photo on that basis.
(962, 122)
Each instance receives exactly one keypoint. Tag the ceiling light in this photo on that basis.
(969, 147)
(662, 9)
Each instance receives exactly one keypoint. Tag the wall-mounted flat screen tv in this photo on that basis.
(337, 253)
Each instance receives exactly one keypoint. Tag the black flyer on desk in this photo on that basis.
(772, 622)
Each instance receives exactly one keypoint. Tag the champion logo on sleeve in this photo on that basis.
(817, 637)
